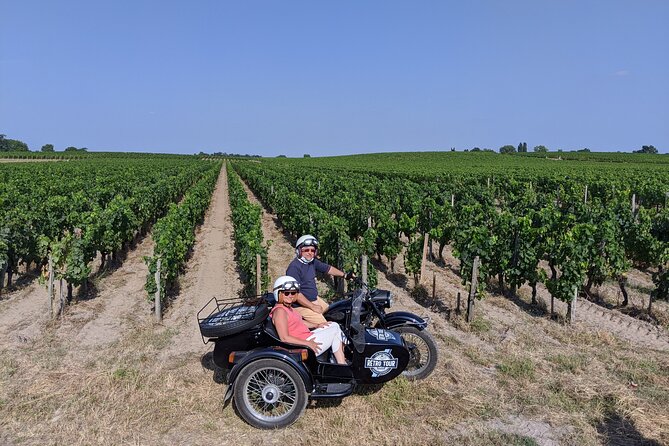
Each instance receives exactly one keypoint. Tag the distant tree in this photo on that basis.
(282, 156)
(452, 149)
(47, 148)
(647, 149)
(540, 149)
(476, 149)
(489, 150)
(71, 149)
(84, 149)
(584, 150)
(18, 146)
(12, 145)
(507, 149)
(522, 147)
(306, 155)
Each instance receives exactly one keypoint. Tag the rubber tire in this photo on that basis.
(301, 398)
(427, 338)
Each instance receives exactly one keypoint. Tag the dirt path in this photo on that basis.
(121, 304)
(22, 315)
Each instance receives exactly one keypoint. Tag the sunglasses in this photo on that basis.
(289, 293)
(308, 249)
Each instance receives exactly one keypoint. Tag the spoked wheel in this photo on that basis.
(269, 394)
(423, 353)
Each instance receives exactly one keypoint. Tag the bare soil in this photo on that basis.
(108, 374)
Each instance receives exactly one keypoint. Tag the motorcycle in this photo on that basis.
(271, 381)
(413, 329)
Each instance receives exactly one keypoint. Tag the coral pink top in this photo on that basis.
(296, 327)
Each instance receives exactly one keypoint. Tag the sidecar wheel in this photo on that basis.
(269, 394)
(422, 350)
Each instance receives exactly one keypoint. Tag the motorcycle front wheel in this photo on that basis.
(423, 353)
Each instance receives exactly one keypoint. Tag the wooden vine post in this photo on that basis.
(424, 258)
(571, 308)
(585, 195)
(258, 275)
(363, 258)
(3, 267)
(50, 286)
(158, 301)
(457, 309)
(340, 281)
(61, 306)
(363, 268)
(429, 246)
(472, 289)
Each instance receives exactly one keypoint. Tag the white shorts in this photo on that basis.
(329, 336)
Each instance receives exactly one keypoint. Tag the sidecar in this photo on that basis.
(271, 381)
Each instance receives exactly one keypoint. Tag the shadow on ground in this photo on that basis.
(619, 431)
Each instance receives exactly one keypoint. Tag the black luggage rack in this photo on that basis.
(224, 317)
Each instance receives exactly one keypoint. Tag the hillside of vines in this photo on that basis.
(72, 212)
(588, 220)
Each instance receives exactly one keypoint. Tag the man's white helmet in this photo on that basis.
(285, 283)
(305, 240)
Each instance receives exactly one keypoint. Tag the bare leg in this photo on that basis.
(339, 356)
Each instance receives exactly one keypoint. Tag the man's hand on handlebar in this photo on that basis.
(349, 275)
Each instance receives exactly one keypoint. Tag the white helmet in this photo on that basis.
(305, 240)
(285, 283)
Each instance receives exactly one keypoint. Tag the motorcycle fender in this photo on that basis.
(401, 319)
(267, 353)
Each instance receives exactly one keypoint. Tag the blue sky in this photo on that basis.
(329, 78)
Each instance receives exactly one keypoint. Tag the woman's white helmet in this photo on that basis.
(305, 240)
(285, 283)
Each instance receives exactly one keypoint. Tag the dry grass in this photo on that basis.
(497, 383)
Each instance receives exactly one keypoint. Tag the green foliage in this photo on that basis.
(47, 148)
(507, 149)
(246, 219)
(414, 257)
(647, 149)
(174, 234)
(540, 149)
(12, 145)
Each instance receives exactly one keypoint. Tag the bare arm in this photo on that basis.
(336, 272)
(280, 319)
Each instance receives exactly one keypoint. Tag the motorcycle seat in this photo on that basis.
(270, 329)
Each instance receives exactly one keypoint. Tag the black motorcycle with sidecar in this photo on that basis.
(271, 381)
(423, 352)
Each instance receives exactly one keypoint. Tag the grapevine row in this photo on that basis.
(511, 229)
(174, 234)
(246, 220)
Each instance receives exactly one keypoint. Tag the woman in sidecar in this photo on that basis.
(293, 330)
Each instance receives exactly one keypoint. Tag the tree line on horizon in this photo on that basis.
(15, 145)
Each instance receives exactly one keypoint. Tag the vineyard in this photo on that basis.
(568, 342)
(585, 226)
